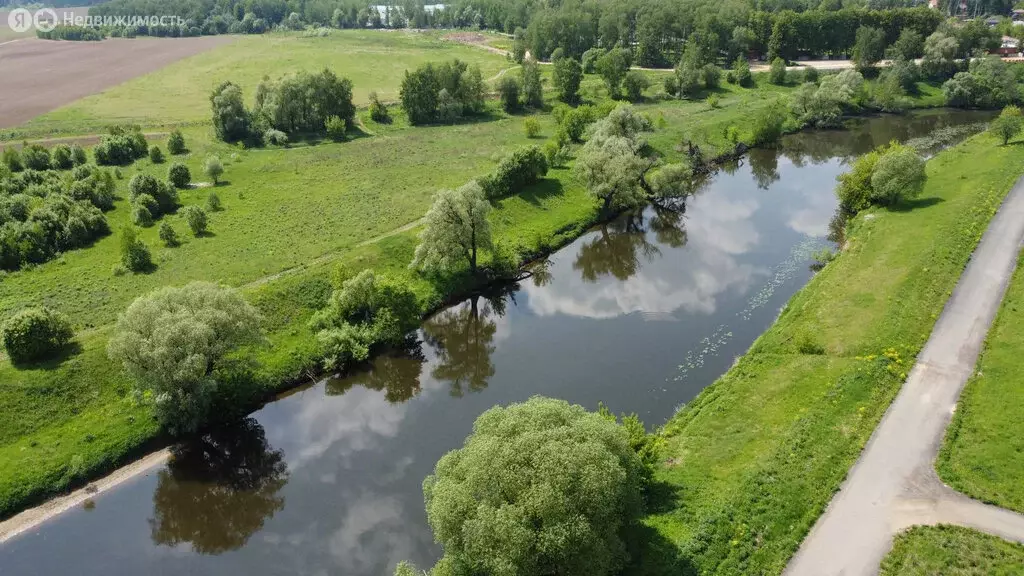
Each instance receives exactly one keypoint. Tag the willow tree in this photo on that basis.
(456, 230)
(172, 340)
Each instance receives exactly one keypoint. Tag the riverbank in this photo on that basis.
(757, 456)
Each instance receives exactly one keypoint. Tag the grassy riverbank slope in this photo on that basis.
(952, 551)
(756, 457)
(983, 454)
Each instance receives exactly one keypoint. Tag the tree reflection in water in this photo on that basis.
(218, 490)
(618, 245)
(396, 372)
(764, 165)
(463, 337)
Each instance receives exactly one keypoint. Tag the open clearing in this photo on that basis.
(41, 75)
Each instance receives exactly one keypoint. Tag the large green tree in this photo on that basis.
(173, 339)
(456, 230)
(541, 487)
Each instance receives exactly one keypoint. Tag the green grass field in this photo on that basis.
(756, 457)
(952, 551)
(180, 93)
(983, 454)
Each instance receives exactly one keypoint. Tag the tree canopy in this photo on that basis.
(541, 487)
(456, 230)
(173, 339)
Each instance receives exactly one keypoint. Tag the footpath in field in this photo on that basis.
(893, 485)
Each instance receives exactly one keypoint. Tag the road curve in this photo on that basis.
(894, 485)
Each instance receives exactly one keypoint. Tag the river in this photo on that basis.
(641, 314)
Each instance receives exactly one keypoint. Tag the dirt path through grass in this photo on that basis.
(894, 485)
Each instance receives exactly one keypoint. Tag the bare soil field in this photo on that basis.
(41, 75)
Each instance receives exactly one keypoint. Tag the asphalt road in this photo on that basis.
(894, 485)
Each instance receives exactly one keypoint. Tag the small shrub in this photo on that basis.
(554, 154)
(777, 72)
(532, 127)
(61, 158)
(141, 215)
(196, 219)
(35, 334)
(635, 83)
(213, 168)
(712, 101)
(274, 137)
(741, 70)
(767, 125)
(899, 175)
(35, 157)
(508, 92)
(134, 253)
(142, 184)
(176, 142)
(1007, 125)
(336, 128)
(213, 202)
(671, 85)
(810, 74)
(78, 155)
(806, 344)
(178, 175)
(378, 111)
(521, 168)
(12, 159)
(711, 75)
(167, 234)
(156, 156)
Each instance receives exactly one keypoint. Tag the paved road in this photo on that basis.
(894, 485)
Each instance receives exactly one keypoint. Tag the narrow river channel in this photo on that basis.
(640, 314)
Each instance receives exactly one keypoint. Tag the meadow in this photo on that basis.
(983, 453)
(180, 93)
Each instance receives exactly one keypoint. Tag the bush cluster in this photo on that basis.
(35, 334)
(442, 93)
(365, 311)
(885, 176)
(122, 146)
(519, 169)
(42, 214)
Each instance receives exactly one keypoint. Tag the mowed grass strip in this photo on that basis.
(373, 60)
(983, 453)
(756, 457)
(952, 551)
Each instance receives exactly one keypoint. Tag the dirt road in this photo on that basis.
(894, 485)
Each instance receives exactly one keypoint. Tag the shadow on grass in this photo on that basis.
(652, 554)
(908, 205)
(70, 350)
(546, 188)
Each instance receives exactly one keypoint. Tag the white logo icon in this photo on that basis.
(20, 20)
(45, 19)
